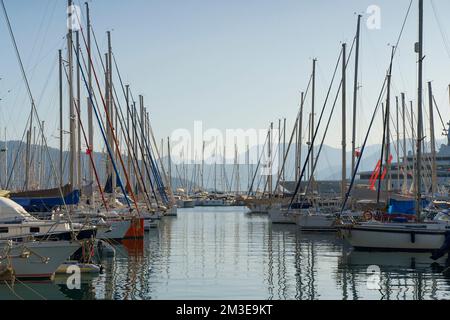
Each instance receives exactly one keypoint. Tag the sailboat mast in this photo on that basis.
(419, 50)
(300, 138)
(433, 141)
(89, 104)
(405, 155)
(398, 141)
(312, 126)
(111, 116)
(270, 185)
(284, 148)
(344, 127)
(388, 127)
(203, 167)
(169, 159)
(127, 98)
(72, 162)
(355, 93)
(78, 124)
(61, 123)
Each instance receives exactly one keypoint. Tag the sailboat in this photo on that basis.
(36, 259)
(427, 236)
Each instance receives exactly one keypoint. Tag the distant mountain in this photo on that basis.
(188, 176)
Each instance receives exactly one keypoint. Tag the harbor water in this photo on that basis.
(228, 254)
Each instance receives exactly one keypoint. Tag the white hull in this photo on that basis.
(40, 259)
(189, 204)
(316, 222)
(172, 212)
(150, 224)
(396, 237)
(279, 216)
(213, 203)
(259, 208)
(115, 229)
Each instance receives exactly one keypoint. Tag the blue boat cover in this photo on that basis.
(47, 204)
(405, 206)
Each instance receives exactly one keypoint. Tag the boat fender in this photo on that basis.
(368, 215)
(413, 237)
(444, 249)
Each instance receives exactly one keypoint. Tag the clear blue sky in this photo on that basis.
(232, 64)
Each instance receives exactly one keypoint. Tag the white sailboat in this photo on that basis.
(17, 224)
(36, 259)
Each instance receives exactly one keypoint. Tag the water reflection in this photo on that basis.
(225, 253)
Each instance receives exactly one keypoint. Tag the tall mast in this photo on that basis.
(284, 147)
(388, 130)
(313, 101)
(419, 50)
(169, 159)
(413, 136)
(433, 142)
(111, 115)
(78, 124)
(300, 138)
(72, 117)
(405, 155)
(355, 93)
(89, 104)
(61, 123)
(203, 167)
(279, 153)
(109, 167)
(398, 142)
(142, 121)
(6, 159)
(344, 128)
(27, 160)
(127, 97)
(215, 168)
(135, 143)
(270, 160)
(41, 157)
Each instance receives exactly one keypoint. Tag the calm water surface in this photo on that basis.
(225, 253)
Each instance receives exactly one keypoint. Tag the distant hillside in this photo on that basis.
(220, 177)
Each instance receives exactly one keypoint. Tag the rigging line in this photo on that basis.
(25, 78)
(91, 156)
(302, 103)
(297, 188)
(328, 125)
(156, 172)
(440, 115)
(136, 124)
(102, 128)
(441, 29)
(344, 204)
(126, 134)
(112, 129)
(139, 142)
(19, 150)
(386, 122)
(257, 167)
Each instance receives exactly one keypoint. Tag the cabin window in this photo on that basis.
(4, 230)
(35, 230)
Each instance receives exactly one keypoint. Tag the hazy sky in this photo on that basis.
(232, 64)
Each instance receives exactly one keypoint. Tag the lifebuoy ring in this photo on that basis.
(368, 215)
